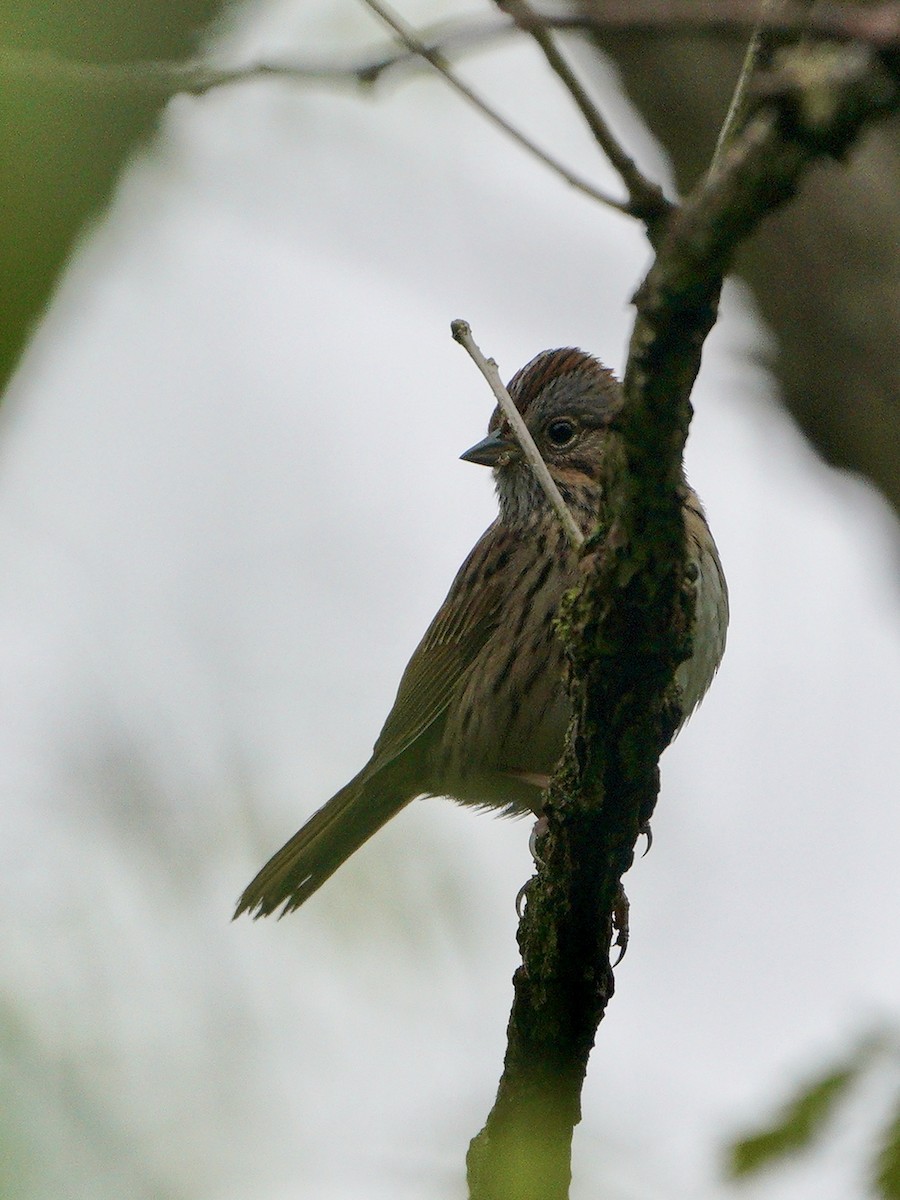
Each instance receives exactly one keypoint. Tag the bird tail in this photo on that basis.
(326, 841)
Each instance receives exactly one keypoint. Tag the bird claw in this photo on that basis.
(522, 895)
(539, 830)
(648, 834)
(541, 826)
(620, 924)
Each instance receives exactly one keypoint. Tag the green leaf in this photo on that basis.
(797, 1125)
(887, 1164)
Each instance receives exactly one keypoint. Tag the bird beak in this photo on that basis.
(491, 450)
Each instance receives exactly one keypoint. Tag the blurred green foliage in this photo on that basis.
(61, 148)
(887, 1165)
(798, 1124)
(803, 1121)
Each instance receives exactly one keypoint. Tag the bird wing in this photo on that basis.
(451, 645)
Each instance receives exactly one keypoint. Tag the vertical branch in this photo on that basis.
(629, 626)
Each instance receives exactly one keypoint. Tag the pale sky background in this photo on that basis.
(230, 502)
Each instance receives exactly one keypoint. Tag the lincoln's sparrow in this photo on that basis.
(482, 710)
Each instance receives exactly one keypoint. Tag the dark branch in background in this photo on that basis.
(875, 25)
(878, 25)
(627, 629)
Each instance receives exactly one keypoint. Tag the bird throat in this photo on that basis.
(523, 501)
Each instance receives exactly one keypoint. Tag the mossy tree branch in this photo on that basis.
(628, 627)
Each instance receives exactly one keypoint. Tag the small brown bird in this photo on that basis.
(482, 711)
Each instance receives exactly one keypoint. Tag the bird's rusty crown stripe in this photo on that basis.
(552, 365)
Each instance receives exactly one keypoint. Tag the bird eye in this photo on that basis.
(561, 432)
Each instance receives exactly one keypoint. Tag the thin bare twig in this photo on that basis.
(645, 198)
(737, 109)
(410, 39)
(197, 76)
(462, 333)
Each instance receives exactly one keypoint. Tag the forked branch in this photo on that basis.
(645, 198)
(409, 38)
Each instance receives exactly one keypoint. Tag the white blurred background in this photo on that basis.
(230, 502)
